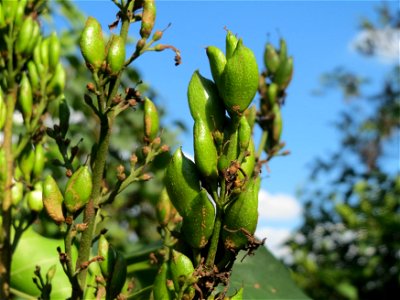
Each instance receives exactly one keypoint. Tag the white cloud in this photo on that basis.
(275, 238)
(386, 43)
(278, 207)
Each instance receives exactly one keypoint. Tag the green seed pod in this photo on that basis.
(92, 43)
(249, 161)
(205, 103)
(34, 38)
(271, 59)
(217, 62)
(244, 134)
(276, 124)
(205, 152)
(38, 165)
(54, 49)
(118, 277)
(273, 94)
(282, 50)
(57, 82)
(198, 224)
(151, 120)
(241, 215)
(33, 74)
(26, 162)
(148, 18)
(230, 147)
(25, 98)
(181, 268)
(116, 54)
(160, 289)
(251, 115)
(63, 115)
(35, 201)
(239, 81)
(284, 74)
(9, 10)
(44, 52)
(182, 182)
(109, 255)
(37, 59)
(230, 44)
(17, 193)
(52, 199)
(20, 12)
(164, 208)
(24, 35)
(78, 189)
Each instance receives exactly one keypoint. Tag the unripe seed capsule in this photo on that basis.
(284, 74)
(251, 115)
(44, 52)
(244, 134)
(57, 82)
(39, 161)
(217, 62)
(230, 44)
(276, 124)
(238, 83)
(151, 120)
(34, 38)
(272, 94)
(92, 43)
(26, 162)
(17, 193)
(271, 59)
(20, 12)
(33, 76)
(160, 289)
(24, 35)
(52, 199)
(35, 201)
(230, 147)
(164, 208)
(109, 255)
(116, 54)
(148, 18)
(249, 162)
(282, 50)
(198, 224)
(78, 189)
(54, 51)
(241, 215)
(205, 103)
(25, 97)
(205, 152)
(181, 268)
(182, 182)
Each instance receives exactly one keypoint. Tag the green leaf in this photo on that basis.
(262, 276)
(36, 250)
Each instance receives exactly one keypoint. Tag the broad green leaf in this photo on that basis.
(262, 276)
(36, 250)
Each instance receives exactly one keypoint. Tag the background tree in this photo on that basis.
(348, 244)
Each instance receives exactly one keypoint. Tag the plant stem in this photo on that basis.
(212, 251)
(92, 206)
(5, 235)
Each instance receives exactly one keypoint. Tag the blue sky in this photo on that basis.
(319, 36)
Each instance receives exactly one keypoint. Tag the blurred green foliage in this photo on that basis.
(349, 242)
